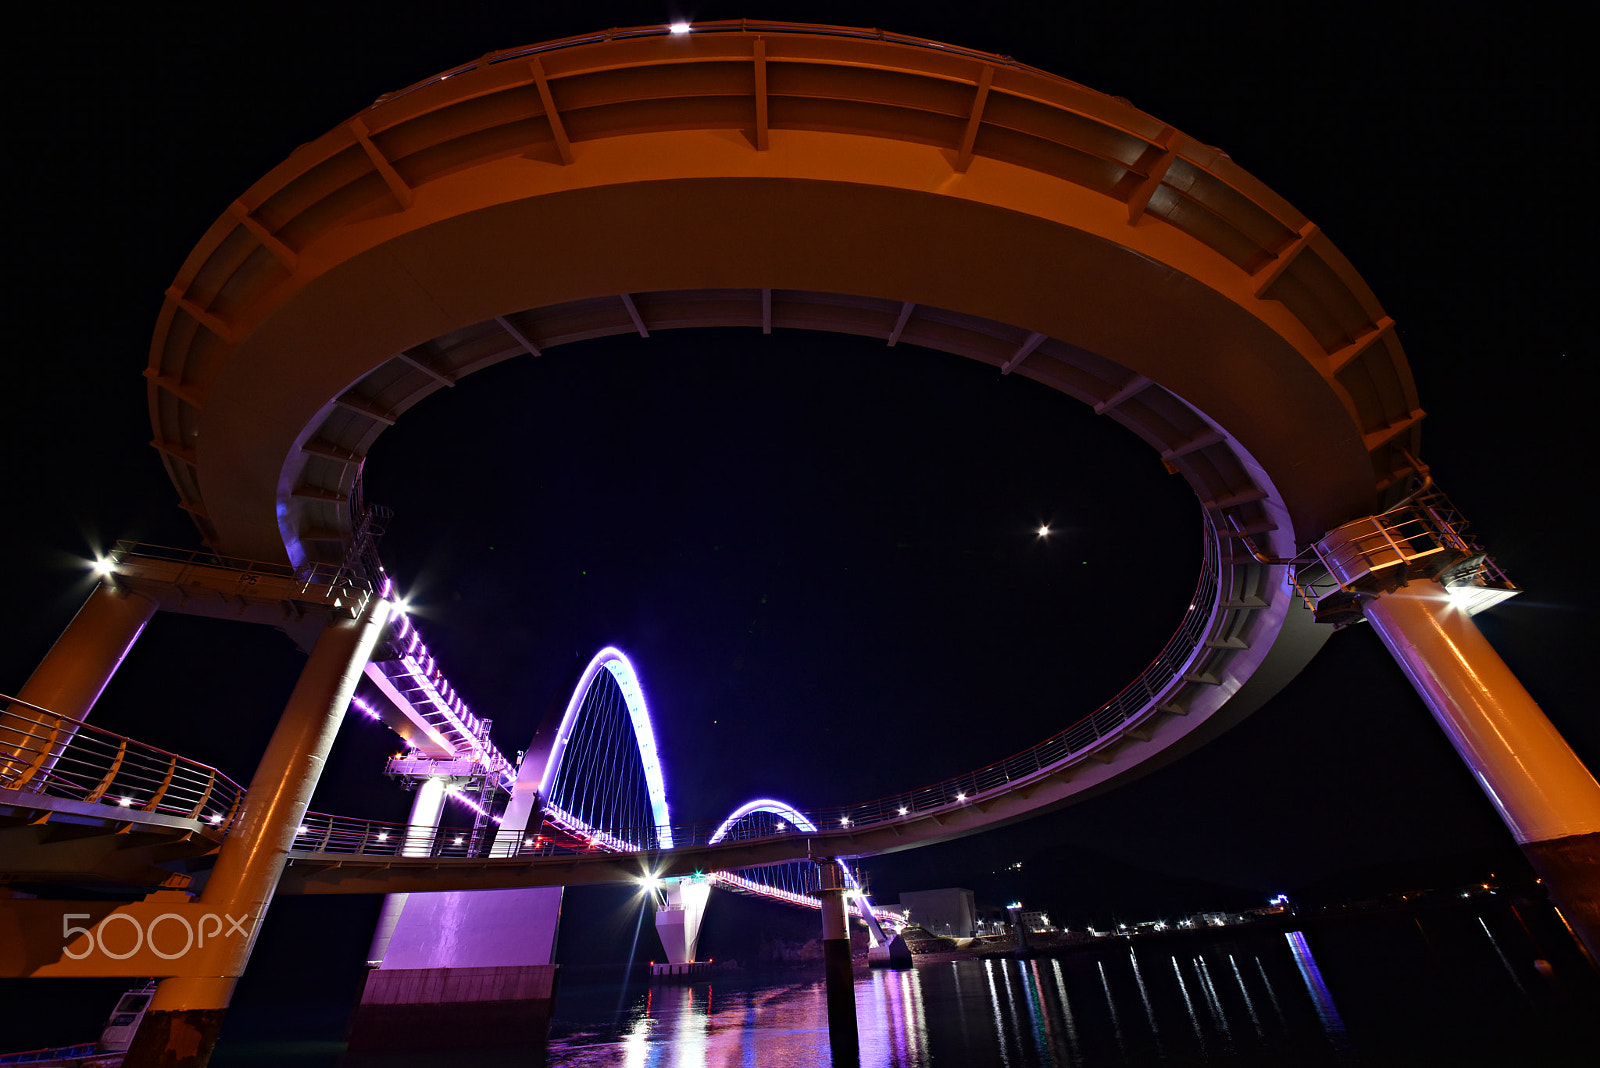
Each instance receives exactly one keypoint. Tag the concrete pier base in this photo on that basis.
(422, 1009)
(470, 969)
(688, 971)
(1570, 870)
(893, 954)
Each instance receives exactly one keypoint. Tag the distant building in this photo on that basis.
(992, 920)
(1036, 922)
(949, 913)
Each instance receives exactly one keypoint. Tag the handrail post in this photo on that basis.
(161, 791)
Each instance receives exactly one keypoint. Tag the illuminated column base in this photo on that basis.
(426, 809)
(678, 923)
(843, 1037)
(77, 668)
(466, 969)
(185, 1016)
(1542, 790)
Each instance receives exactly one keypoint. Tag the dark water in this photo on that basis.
(1494, 985)
(1457, 989)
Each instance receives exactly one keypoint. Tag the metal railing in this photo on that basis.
(1069, 745)
(1423, 535)
(46, 753)
(311, 579)
(724, 26)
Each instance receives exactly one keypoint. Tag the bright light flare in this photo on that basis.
(679, 28)
(1043, 531)
(104, 566)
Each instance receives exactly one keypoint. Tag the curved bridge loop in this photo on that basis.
(787, 176)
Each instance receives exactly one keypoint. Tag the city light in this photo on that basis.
(1044, 531)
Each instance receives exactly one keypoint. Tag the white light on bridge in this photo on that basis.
(216, 818)
(104, 566)
(961, 796)
(1044, 531)
(383, 836)
(679, 27)
(844, 821)
(302, 829)
(902, 810)
(125, 802)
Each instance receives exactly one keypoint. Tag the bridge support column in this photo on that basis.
(181, 1026)
(465, 969)
(843, 1036)
(1546, 796)
(73, 673)
(678, 921)
(426, 808)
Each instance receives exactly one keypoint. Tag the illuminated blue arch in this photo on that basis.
(613, 660)
(777, 808)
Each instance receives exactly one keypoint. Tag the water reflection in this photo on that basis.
(1327, 1011)
(1251, 1000)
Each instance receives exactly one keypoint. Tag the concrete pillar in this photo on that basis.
(181, 1026)
(843, 1037)
(1542, 790)
(1014, 912)
(678, 921)
(70, 679)
(426, 809)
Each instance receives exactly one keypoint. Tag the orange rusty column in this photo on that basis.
(71, 677)
(186, 1014)
(1546, 796)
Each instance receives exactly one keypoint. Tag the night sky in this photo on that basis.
(819, 551)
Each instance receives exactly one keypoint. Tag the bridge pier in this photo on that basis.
(467, 969)
(185, 1016)
(678, 920)
(843, 1036)
(77, 668)
(426, 809)
(1547, 797)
